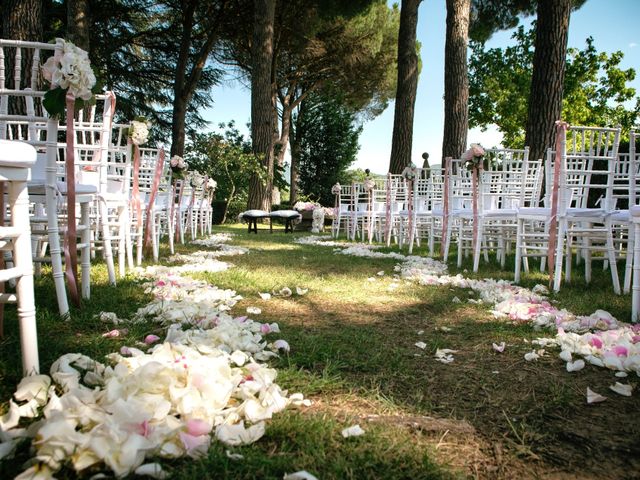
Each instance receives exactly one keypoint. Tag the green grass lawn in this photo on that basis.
(486, 415)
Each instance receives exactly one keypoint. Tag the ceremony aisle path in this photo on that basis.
(404, 370)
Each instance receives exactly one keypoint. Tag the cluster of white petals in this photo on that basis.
(72, 71)
(599, 338)
(205, 381)
(139, 132)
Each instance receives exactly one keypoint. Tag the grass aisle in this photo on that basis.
(352, 337)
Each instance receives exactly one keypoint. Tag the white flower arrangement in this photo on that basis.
(177, 162)
(474, 156)
(409, 173)
(139, 132)
(71, 73)
(211, 184)
(336, 189)
(369, 184)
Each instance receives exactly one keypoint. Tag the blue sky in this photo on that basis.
(614, 25)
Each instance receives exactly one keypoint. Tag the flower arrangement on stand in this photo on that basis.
(211, 184)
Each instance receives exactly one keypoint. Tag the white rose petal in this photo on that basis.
(593, 397)
(254, 310)
(575, 366)
(354, 431)
(265, 296)
(153, 470)
(531, 356)
(301, 291)
(421, 345)
(622, 389)
(498, 347)
(301, 475)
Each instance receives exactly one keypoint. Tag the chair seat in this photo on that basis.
(17, 154)
(37, 187)
(622, 216)
(536, 212)
(586, 212)
(635, 213)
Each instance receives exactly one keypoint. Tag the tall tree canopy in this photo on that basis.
(324, 45)
(545, 95)
(595, 87)
(328, 145)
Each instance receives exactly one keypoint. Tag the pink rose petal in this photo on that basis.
(197, 427)
(150, 339)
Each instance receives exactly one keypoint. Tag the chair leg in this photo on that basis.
(557, 279)
(56, 252)
(611, 254)
(635, 288)
(107, 249)
(19, 201)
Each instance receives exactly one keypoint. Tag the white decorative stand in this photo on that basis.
(317, 223)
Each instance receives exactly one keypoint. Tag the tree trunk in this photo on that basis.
(178, 120)
(549, 59)
(78, 19)
(294, 143)
(456, 82)
(22, 20)
(407, 85)
(261, 103)
(283, 141)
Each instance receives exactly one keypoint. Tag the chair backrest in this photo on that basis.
(502, 183)
(589, 156)
(22, 89)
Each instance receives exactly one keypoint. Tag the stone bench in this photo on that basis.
(252, 216)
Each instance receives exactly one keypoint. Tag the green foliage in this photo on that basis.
(133, 50)
(328, 145)
(490, 16)
(225, 156)
(595, 87)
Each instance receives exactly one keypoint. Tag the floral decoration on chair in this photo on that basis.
(336, 189)
(178, 167)
(369, 184)
(211, 184)
(139, 131)
(70, 73)
(409, 173)
(473, 157)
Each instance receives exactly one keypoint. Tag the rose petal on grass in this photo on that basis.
(301, 291)
(499, 347)
(354, 431)
(593, 397)
(153, 470)
(622, 389)
(151, 339)
(233, 456)
(301, 475)
(421, 345)
(265, 296)
(254, 310)
(531, 356)
(575, 366)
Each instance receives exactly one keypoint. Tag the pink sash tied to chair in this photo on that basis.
(70, 244)
(476, 174)
(561, 138)
(152, 196)
(135, 189)
(387, 207)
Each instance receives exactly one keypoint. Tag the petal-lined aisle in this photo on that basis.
(205, 379)
(599, 338)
